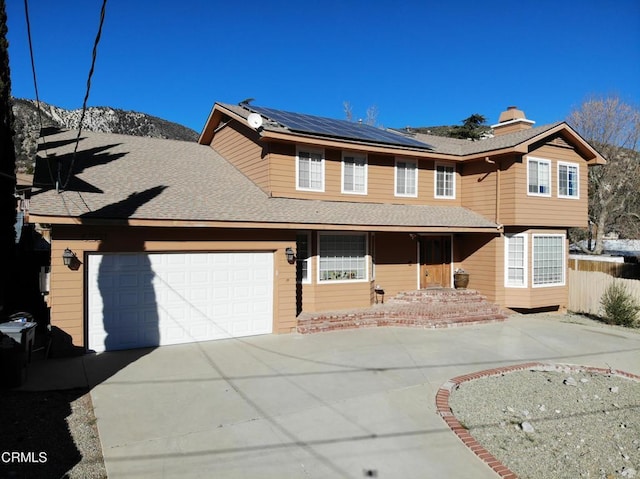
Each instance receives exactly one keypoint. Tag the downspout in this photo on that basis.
(497, 212)
(498, 193)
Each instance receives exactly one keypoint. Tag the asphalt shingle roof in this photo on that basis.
(454, 146)
(121, 177)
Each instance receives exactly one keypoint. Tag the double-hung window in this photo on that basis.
(539, 176)
(568, 180)
(342, 257)
(445, 182)
(406, 178)
(310, 170)
(548, 257)
(516, 261)
(354, 174)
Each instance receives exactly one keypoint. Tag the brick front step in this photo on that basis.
(432, 308)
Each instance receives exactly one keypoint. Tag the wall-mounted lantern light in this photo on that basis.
(68, 256)
(291, 256)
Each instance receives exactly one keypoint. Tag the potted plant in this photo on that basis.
(460, 279)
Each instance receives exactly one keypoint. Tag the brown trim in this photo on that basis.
(59, 220)
(270, 136)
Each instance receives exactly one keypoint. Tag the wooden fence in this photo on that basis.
(587, 287)
(614, 266)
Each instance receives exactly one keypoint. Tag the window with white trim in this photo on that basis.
(539, 176)
(568, 180)
(445, 181)
(548, 257)
(515, 274)
(354, 174)
(310, 170)
(406, 178)
(342, 257)
(303, 258)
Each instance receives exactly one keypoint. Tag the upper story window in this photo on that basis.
(539, 176)
(445, 181)
(354, 174)
(548, 257)
(406, 178)
(568, 180)
(310, 169)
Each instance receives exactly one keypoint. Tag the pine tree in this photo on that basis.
(7, 169)
(471, 129)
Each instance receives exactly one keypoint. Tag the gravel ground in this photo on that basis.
(563, 423)
(49, 434)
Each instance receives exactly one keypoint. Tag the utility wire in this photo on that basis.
(86, 96)
(35, 87)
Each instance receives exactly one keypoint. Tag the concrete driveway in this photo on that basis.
(348, 404)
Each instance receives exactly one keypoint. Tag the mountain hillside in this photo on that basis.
(100, 119)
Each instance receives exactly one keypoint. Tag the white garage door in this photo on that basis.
(154, 299)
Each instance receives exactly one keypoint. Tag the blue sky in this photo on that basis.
(419, 62)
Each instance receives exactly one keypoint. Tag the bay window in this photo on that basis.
(548, 257)
(516, 261)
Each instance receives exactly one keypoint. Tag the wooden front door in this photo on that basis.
(435, 262)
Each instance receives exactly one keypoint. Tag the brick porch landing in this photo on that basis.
(426, 308)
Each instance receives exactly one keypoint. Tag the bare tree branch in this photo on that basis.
(613, 128)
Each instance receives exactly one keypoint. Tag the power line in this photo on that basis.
(35, 87)
(86, 96)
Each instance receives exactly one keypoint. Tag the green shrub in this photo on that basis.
(618, 306)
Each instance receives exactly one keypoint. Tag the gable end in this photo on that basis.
(558, 140)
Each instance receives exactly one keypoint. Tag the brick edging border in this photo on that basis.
(444, 410)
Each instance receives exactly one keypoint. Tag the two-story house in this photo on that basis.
(274, 213)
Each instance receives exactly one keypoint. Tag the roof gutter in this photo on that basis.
(68, 220)
(298, 138)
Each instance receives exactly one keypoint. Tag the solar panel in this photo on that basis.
(336, 128)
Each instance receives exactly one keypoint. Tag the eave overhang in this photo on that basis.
(584, 149)
(161, 223)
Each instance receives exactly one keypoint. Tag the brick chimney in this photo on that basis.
(510, 121)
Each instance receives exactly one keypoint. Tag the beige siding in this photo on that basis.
(67, 286)
(396, 257)
(479, 183)
(238, 144)
(336, 296)
(510, 189)
(380, 179)
(537, 298)
(548, 211)
(480, 256)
